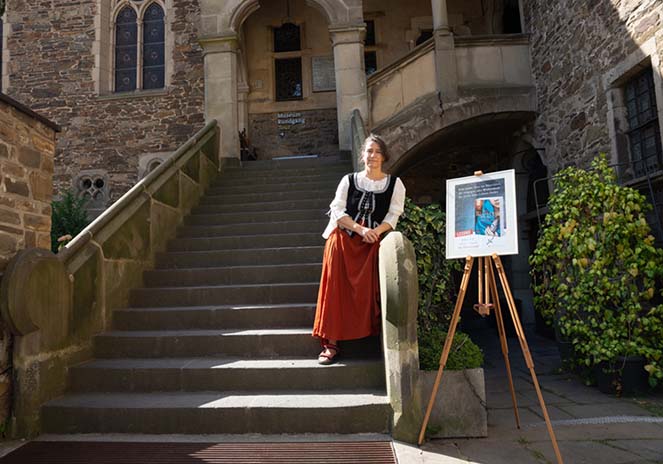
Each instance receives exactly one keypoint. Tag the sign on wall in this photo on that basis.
(481, 215)
(324, 76)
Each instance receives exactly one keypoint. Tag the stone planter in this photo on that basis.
(629, 380)
(460, 404)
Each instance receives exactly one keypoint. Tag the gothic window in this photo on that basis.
(139, 47)
(370, 62)
(125, 50)
(288, 62)
(644, 130)
(153, 48)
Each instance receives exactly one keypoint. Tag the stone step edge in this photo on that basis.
(171, 270)
(229, 286)
(237, 307)
(267, 399)
(233, 363)
(283, 211)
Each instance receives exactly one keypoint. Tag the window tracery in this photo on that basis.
(139, 45)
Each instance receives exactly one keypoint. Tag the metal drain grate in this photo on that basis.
(42, 452)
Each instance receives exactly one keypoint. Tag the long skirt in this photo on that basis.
(348, 300)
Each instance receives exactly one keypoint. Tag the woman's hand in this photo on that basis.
(370, 235)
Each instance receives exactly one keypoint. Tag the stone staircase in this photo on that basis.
(218, 341)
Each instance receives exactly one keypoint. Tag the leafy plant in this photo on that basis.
(425, 228)
(68, 218)
(464, 354)
(596, 269)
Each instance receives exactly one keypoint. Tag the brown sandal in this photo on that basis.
(326, 359)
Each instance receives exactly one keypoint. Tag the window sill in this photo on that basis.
(641, 180)
(134, 94)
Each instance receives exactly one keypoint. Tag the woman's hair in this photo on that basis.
(381, 143)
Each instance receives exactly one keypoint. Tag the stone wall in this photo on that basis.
(294, 133)
(26, 183)
(574, 45)
(27, 145)
(51, 68)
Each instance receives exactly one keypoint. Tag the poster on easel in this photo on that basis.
(481, 215)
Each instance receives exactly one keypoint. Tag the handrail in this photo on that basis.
(107, 216)
(358, 130)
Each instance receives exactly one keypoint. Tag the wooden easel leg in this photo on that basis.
(526, 353)
(447, 344)
(503, 342)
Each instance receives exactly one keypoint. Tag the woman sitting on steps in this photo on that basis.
(366, 206)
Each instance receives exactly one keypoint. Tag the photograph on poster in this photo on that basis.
(481, 215)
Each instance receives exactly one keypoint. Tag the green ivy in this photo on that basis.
(596, 269)
(425, 228)
(68, 219)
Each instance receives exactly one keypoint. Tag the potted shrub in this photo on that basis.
(596, 269)
(460, 408)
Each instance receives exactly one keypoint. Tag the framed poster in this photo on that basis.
(481, 215)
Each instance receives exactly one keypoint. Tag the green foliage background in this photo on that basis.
(425, 228)
(596, 269)
(68, 218)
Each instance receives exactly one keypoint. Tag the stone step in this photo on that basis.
(253, 178)
(219, 374)
(354, 411)
(251, 343)
(239, 257)
(254, 216)
(214, 317)
(233, 275)
(292, 163)
(262, 197)
(288, 205)
(328, 185)
(224, 295)
(258, 228)
(246, 241)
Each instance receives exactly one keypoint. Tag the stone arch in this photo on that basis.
(412, 131)
(234, 12)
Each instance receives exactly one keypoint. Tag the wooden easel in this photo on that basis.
(488, 293)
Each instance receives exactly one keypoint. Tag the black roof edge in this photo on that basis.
(24, 109)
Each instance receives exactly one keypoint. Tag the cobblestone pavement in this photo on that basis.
(591, 427)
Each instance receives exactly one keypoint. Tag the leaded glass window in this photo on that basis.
(153, 48)
(144, 70)
(287, 38)
(126, 48)
(644, 130)
(288, 79)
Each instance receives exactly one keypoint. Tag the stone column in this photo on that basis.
(445, 55)
(351, 94)
(221, 100)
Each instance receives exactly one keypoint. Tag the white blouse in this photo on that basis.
(337, 208)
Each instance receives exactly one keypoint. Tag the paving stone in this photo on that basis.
(586, 452)
(647, 449)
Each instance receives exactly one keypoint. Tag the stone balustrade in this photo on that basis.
(55, 304)
(482, 62)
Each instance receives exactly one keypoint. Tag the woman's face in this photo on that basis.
(373, 156)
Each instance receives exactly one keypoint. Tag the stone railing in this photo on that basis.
(401, 83)
(493, 61)
(399, 290)
(358, 136)
(55, 304)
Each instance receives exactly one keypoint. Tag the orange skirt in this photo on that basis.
(348, 300)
